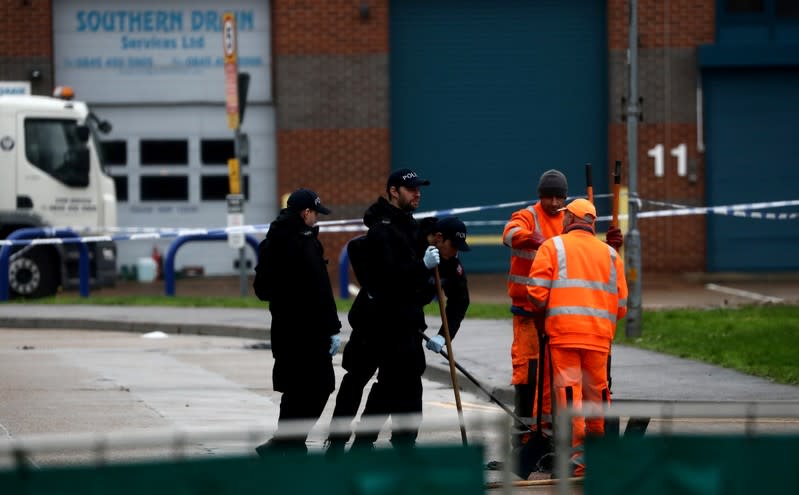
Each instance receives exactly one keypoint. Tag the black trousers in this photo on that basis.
(359, 361)
(393, 393)
(300, 403)
(398, 390)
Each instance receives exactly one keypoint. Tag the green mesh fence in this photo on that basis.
(689, 465)
(435, 470)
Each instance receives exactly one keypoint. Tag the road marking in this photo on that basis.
(465, 405)
(743, 293)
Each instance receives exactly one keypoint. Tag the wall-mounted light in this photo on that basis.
(364, 11)
(34, 75)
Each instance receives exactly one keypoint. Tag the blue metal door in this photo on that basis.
(752, 142)
(487, 95)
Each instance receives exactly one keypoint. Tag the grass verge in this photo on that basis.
(756, 340)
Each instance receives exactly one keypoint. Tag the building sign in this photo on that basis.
(150, 51)
(15, 88)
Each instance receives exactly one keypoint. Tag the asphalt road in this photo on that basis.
(86, 382)
(59, 375)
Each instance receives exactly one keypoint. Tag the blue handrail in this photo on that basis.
(344, 273)
(169, 261)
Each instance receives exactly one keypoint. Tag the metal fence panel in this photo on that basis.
(705, 465)
(440, 470)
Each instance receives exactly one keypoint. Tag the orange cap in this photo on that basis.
(582, 208)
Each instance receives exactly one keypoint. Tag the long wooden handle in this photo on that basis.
(616, 194)
(482, 388)
(450, 355)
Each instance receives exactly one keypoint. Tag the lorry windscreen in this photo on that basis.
(54, 146)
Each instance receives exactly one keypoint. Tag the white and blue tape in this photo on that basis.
(743, 210)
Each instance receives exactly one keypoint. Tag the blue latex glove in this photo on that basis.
(335, 343)
(436, 343)
(431, 257)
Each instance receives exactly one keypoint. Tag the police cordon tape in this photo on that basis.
(742, 210)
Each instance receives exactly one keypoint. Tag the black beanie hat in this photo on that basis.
(553, 184)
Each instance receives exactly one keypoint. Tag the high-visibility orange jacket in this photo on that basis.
(579, 281)
(517, 237)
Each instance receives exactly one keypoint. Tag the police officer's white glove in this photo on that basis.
(335, 343)
(436, 343)
(431, 257)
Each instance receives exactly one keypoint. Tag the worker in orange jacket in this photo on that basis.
(577, 283)
(527, 229)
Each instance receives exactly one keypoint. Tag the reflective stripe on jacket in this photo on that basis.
(516, 236)
(579, 281)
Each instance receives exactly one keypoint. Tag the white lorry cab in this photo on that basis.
(52, 175)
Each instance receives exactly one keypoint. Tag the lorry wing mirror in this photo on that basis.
(102, 125)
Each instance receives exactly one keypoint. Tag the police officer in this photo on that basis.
(387, 315)
(292, 275)
(449, 236)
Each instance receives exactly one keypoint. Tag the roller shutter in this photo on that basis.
(486, 95)
(752, 142)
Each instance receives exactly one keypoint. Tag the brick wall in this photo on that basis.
(332, 109)
(331, 95)
(26, 43)
(669, 34)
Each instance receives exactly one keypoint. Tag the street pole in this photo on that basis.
(242, 257)
(632, 248)
(235, 200)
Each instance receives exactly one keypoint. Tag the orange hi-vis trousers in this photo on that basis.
(526, 355)
(580, 378)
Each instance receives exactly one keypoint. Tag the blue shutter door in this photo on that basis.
(487, 95)
(752, 143)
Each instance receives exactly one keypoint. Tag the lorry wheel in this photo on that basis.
(33, 274)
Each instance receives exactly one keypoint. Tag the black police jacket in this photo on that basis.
(456, 290)
(453, 281)
(391, 295)
(293, 272)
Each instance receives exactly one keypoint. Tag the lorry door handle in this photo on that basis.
(24, 202)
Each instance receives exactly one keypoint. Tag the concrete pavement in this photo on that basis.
(482, 347)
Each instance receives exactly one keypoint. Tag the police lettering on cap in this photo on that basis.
(582, 209)
(553, 184)
(305, 198)
(405, 177)
(453, 229)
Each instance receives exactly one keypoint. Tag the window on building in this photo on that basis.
(788, 9)
(216, 151)
(121, 186)
(217, 187)
(164, 188)
(744, 6)
(758, 22)
(164, 151)
(115, 152)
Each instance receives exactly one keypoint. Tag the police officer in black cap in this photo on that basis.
(386, 318)
(292, 275)
(449, 236)
(387, 314)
